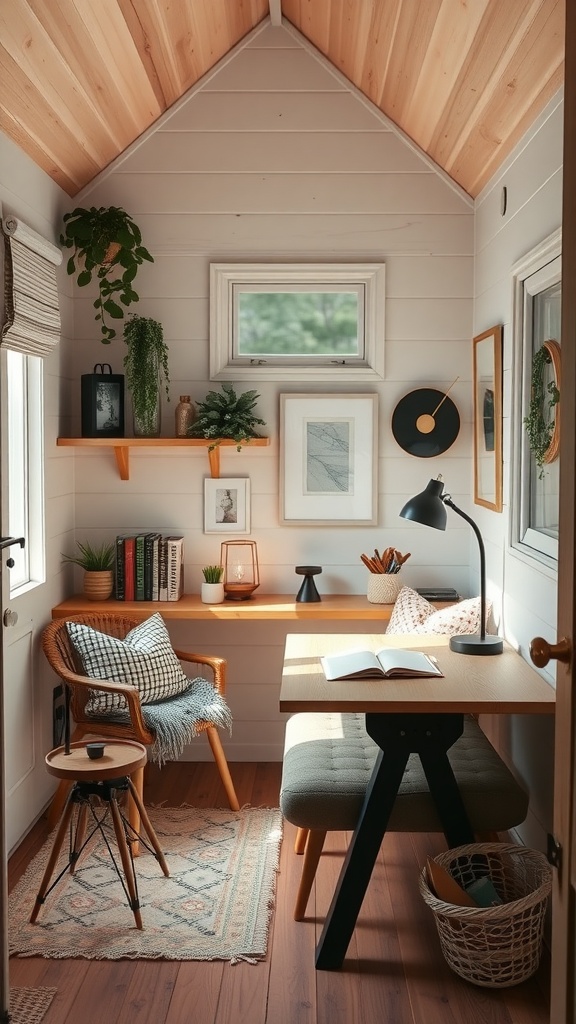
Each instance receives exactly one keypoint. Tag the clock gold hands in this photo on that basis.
(426, 422)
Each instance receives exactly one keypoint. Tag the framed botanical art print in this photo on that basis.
(328, 459)
(487, 377)
(227, 505)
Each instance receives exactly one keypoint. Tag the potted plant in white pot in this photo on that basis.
(107, 242)
(98, 565)
(212, 589)
(146, 368)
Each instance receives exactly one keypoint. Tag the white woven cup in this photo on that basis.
(383, 588)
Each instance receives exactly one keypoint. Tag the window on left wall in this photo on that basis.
(24, 395)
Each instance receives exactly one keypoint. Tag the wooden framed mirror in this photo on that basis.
(487, 383)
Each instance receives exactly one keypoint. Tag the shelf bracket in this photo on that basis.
(122, 453)
(214, 460)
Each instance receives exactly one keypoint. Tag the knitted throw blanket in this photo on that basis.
(175, 720)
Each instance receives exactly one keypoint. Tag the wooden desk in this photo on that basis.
(347, 607)
(403, 716)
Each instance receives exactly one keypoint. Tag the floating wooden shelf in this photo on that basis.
(122, 445)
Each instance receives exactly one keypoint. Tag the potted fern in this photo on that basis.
(107, 243)
(98, 565)
(212, 589)
(227, 415)
(146, 368)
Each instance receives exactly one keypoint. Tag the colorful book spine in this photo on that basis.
(119, 570)
(139, 567)
(148, 569)
(129, 565)
(156, 566)
(175, 551)
(163, 570)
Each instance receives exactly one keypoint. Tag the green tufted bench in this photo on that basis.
(328, 760)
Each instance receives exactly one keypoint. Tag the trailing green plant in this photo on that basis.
(108, 242)
(213, 573)
(93, 559)
(146, 367)
(539, 423)
(227, 415)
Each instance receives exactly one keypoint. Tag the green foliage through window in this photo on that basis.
(298, 323)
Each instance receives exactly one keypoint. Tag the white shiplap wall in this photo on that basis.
(533, 179)
(276, 157)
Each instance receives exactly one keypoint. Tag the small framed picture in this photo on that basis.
(227, 505)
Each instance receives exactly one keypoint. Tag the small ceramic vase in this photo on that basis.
(212, 593)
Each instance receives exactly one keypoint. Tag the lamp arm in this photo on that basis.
(448, 501)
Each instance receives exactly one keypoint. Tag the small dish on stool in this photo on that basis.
(95, 750)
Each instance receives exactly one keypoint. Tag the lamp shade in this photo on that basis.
(427, 508)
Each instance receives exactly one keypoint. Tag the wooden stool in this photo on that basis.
(105, 778)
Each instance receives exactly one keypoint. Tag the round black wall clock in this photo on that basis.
(425, 422)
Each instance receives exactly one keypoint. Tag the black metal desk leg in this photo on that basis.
(360, 858)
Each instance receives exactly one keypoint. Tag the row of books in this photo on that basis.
(149, 567)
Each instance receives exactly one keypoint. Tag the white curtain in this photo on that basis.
(32, 324)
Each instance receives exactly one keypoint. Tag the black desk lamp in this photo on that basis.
(428, 508)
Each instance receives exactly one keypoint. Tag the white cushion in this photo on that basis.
(413, 614)
(144, 659)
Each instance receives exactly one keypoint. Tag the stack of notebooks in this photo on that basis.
(149, 567)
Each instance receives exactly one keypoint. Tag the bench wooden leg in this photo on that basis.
(314, 845)
(300, 841)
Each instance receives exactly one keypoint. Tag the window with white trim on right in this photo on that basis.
(536, 466)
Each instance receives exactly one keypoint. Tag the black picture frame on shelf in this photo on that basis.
(102, 401)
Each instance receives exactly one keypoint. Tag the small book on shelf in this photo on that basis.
(386, 664)
(119, 570)
(129, 568)
(175, 559)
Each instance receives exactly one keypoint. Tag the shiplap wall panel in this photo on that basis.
(247, 193)
(170, 152)
(533, 177)
(237, 199)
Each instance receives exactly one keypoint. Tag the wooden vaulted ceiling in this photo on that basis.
(80, 80)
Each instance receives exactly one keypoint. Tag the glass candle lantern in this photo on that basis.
(241, 573)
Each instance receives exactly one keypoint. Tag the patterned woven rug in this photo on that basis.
(216, 904)
(29, 1005)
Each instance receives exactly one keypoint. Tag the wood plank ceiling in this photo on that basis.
(82, 79)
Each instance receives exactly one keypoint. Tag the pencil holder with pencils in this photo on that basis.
(383, 588)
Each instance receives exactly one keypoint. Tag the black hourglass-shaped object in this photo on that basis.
(308, 590)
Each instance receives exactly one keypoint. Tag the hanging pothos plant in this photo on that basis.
(107, 242)
(541, 423)
(146, 367)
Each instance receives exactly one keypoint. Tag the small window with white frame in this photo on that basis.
(300, 322)
(536, 467)
(25, 478)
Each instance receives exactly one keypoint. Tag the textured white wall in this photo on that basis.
(275, 158)
(533, 179)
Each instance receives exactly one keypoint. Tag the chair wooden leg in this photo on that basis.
(58, 801)
(300, 841)
(222, 765)
(314, 845)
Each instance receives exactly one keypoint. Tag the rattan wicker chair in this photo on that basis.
(58, 650)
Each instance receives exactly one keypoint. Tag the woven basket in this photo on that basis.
(383, 588)
(494, 947)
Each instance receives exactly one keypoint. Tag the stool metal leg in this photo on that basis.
(126, 860)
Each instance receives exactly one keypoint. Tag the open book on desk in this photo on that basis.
(386, 663)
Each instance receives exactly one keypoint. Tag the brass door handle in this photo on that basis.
(542, 652)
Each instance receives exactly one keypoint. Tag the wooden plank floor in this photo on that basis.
(394, 971)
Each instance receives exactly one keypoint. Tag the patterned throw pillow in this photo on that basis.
(413, 614)
(144, 659)
(409, 611)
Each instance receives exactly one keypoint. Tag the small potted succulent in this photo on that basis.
(107, 242)
(98, 565)
(227, 415)
(212, 591)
